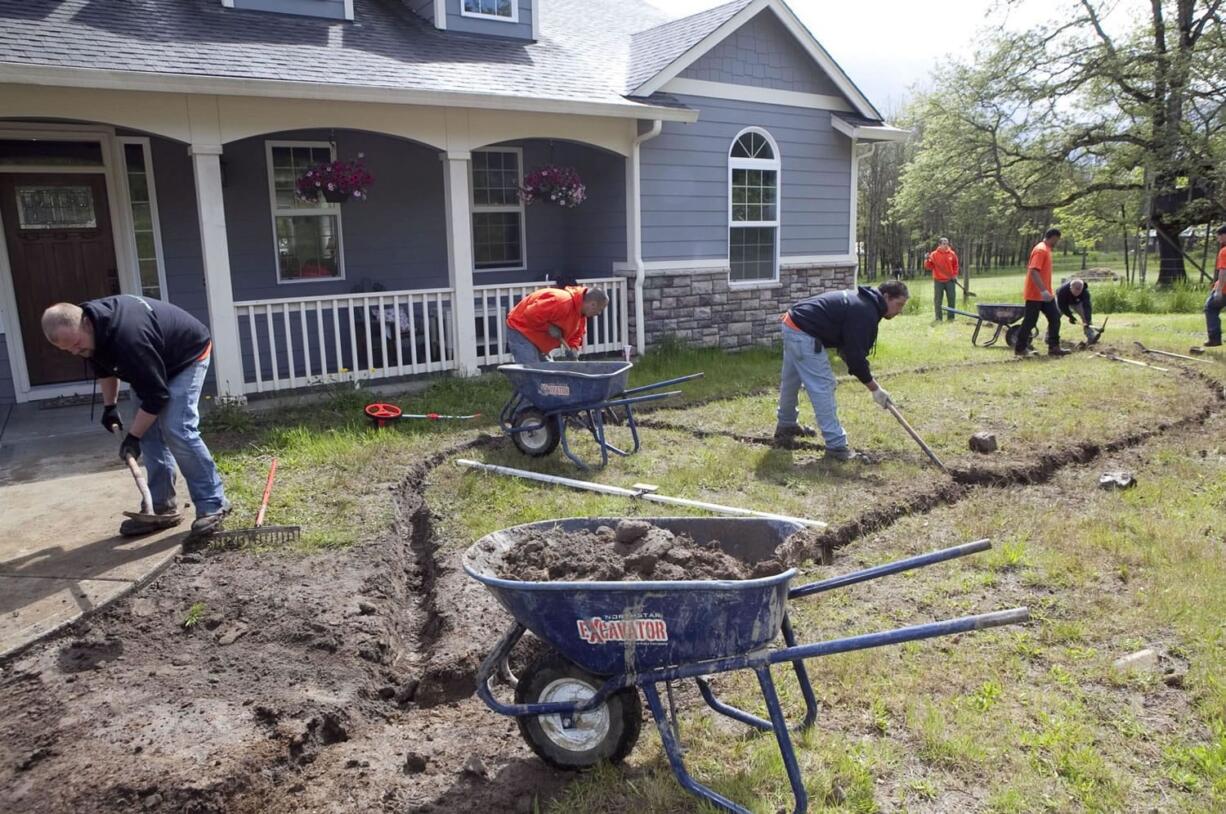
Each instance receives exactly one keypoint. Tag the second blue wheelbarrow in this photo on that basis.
(578, 703)
(550, 397)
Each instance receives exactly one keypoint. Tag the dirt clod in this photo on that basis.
(641, 552)
(475, 767)
(415, 763)
(1116, 480)
(984, 442)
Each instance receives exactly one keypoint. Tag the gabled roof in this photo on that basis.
(661, 53)
(387, 54)
(653, 50)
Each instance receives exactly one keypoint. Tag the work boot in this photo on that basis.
(786, 435)
(842, 454)
(206, 525)
(1023, 351)
(1056, 350)
(140, 526)
(1214, 342)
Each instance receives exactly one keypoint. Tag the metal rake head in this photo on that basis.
(256, 536)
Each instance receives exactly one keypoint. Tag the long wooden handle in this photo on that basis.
(146, 499)
(927, 450)
(272, 472)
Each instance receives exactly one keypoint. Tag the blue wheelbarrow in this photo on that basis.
(549, 397)
(999, 315)
(578, 703)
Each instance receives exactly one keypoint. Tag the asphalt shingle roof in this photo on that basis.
(582, 53)
(654, 49)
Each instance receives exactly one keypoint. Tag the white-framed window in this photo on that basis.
(753, 207)
(502, 10)
(146, 228)
(306, 234)
(499, 235)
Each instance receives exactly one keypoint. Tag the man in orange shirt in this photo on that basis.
(552, 317)
(1217, 296)
(943, 263)
(1040, 296)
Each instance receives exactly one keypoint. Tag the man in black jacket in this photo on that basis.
(163, 353)
(1074, 297)
(846, 321)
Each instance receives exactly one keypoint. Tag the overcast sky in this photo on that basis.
(888, 46)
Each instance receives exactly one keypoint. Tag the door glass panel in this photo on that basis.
(56, 207)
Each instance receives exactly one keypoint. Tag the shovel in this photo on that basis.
(1144, 349)
(927, 449)
(146, 500)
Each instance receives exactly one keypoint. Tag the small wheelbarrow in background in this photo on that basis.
(578, 703)
(550, 396)
(1001, 316)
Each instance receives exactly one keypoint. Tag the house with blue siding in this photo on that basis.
(153, 148)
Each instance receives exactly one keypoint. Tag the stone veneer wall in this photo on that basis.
(699, 307)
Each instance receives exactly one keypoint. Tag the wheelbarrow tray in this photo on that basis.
(1000, 313)
(611, 628)
(558, 385)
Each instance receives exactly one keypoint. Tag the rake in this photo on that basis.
(259, 534)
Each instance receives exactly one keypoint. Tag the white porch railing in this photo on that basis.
(306, 341)
(289, 343)
(606, 333)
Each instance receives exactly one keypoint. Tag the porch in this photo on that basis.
(417, 279)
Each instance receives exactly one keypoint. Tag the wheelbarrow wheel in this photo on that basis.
(1014, 332)
(538, 442)
(607, 733)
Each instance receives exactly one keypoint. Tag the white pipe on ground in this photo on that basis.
(634, 493)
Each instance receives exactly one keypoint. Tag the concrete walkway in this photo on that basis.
(62, 488)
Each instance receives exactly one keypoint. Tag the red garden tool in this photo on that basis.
(382, 414)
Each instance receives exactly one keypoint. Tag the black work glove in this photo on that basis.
(130, 446)
(110, 418)
(1072, 319)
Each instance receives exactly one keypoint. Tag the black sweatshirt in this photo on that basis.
(144, 342)
(1065, 301)
(846, 320)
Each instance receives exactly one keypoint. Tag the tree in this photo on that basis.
(1068, 110)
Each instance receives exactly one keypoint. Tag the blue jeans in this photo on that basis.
(1213, 317)
(522, 349)
(175, 438)
(804, 365)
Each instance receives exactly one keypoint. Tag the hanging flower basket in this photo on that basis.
(550, 184)
(336, 182)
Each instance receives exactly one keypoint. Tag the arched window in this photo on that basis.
(753, 207)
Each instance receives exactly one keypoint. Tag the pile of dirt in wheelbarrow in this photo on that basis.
(634, 550)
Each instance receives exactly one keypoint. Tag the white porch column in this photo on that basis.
(460, 258)
(215, 251)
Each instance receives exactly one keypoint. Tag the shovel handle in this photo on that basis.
(927, 449)
(146, 499)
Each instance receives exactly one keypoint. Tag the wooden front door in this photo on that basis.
(58, 230)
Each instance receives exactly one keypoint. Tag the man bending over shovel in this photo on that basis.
(846, 321)
(549, 318)
(163, 353)
(1074, 296)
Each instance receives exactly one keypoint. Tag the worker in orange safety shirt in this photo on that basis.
(550, 318)
(943, 263)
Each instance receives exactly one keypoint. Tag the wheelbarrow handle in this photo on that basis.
(895, 567)
(665, 383)
(963, 624)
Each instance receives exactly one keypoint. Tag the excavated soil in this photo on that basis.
(634, 550)
(335, 682)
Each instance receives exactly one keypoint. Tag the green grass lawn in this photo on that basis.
(1024, 719)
